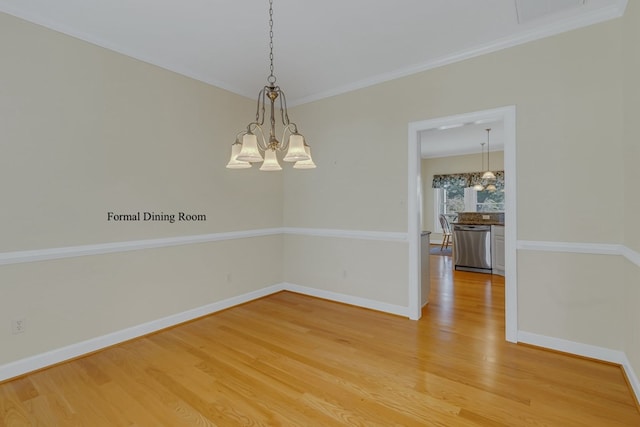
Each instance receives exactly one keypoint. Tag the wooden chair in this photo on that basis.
(446, 231)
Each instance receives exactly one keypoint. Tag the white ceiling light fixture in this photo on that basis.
(488, 174)
(250, 142)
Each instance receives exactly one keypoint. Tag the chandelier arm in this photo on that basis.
(284, 113)
(260, 97)
(262, 100)
(239, 136)
(252, 127)
(291, 128)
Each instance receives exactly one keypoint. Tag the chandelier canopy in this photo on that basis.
(254, 139)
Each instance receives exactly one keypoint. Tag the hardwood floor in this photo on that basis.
(289, 359)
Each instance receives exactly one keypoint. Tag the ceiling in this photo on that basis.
(464, 138)
(321, 48)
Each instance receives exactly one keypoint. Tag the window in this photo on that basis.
(452, 194)
(490, 201)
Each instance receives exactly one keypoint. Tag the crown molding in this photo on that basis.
(35, 18)
(613, 11)
(572, 23)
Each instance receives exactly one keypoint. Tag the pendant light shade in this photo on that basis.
(249, 151)
(270, 161)
(234, 163)
(261, 137)
(305, 164)
(488, 174)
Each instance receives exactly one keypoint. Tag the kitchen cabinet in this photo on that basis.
(497, 249)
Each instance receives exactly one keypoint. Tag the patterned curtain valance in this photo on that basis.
(467, 179)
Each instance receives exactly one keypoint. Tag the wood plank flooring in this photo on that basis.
(293, 360)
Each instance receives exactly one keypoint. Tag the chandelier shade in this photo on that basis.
(249, 151)
(234, 163)
(260, 137)
(305, 164)
(270, 161)
(296, 150)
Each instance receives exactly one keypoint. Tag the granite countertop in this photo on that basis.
(478, 222)
(480, 218)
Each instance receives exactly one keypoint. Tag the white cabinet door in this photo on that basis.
(497, 249)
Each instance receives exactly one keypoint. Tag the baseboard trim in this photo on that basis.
(585, 350)
(348, 299)
(53, 357)
(632, 378)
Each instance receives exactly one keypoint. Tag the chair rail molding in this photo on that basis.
(17, 257)
(581, 248)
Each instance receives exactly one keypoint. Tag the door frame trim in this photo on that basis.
(414, 204)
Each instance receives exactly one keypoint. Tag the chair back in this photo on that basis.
(444, 223)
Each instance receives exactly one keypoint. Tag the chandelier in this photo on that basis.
(253, 140)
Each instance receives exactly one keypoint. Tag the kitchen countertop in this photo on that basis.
(478, 222)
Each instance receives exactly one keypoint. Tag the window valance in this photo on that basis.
(467, 179)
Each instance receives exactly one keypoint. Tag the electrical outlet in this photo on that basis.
(486, 216)
(18, 326)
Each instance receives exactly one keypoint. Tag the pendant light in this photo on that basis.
(479, 186)
(253, 140)
(488, 174)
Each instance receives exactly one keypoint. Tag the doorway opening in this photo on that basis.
(507, 115)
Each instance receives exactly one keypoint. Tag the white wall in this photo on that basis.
(631, 137)
(86, 131)
(568, 94)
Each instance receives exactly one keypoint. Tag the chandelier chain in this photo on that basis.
(272, 78)
(251, 142)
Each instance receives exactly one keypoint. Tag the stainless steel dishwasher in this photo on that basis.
(472, 247)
